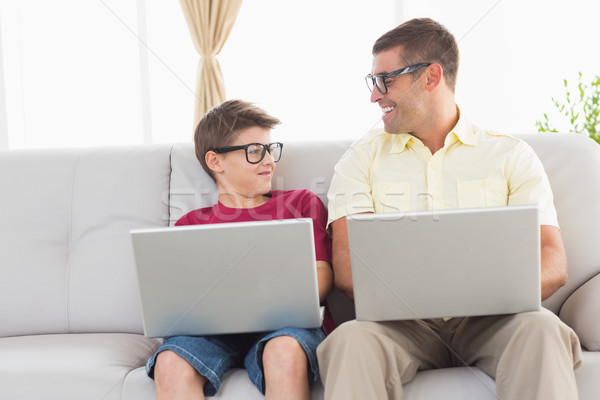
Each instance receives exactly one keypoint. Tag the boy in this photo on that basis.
(234, 147)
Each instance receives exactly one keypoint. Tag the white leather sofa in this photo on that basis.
(70, 319)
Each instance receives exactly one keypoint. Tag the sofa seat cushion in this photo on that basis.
(236, 385)
(587, 375)
(70, 366)
(447, 384)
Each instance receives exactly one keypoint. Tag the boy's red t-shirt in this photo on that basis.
(282, 205)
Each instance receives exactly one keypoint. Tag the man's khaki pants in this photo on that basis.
(531, 355)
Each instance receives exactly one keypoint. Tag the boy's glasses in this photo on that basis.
(378, 81)
(255, 152)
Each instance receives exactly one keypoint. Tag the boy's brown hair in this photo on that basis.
(423, 40)
(220, 125)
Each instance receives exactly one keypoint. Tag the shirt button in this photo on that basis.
(384, 187)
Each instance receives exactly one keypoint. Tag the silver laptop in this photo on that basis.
(227, 278)
(447, 263)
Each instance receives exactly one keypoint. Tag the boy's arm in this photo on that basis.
(325, 279)
(314, 208)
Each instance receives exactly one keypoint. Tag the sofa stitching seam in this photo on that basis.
(70, 245)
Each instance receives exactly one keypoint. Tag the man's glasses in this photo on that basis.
(255, 152)
(378, 81)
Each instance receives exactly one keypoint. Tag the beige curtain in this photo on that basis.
(209, 22)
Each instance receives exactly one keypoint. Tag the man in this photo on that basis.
(428, 158)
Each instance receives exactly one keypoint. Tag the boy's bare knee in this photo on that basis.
(174, 377)
(284, 354)
(170, 365)
(168, 359)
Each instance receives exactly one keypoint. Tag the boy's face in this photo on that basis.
(239, 178)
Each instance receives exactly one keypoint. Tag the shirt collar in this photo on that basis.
(399, 142)
(462, 132)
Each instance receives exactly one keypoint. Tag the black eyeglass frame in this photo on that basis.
(371, 80)
(265, 148)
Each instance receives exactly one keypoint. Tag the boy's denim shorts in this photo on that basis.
(213, 356)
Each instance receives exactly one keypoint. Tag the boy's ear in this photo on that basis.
(213, 161)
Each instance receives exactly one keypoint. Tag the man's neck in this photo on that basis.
(443, 119)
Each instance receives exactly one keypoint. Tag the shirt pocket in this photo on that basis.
(482, 193)
(391, 197)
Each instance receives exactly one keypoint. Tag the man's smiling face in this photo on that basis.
(403, 104)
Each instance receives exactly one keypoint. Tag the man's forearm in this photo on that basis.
(324, 279)
(342, 270)
(554, 261)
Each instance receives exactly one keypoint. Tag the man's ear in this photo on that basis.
(213, 161)
(433, 76)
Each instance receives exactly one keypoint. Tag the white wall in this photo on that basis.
(305, 63)
(515, 55)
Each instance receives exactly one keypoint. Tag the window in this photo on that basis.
(75, 72)
(71, 74)
(109, 72)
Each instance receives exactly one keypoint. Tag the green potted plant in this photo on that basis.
(581, 109)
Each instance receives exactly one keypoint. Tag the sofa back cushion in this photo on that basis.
(303, 165)
(571, 161)
(67, 264)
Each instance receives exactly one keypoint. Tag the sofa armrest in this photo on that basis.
(581, 311)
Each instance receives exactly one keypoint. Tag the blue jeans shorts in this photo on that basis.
(213, 356)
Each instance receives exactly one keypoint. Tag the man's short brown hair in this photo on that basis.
(222, 123)
(423, 40)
